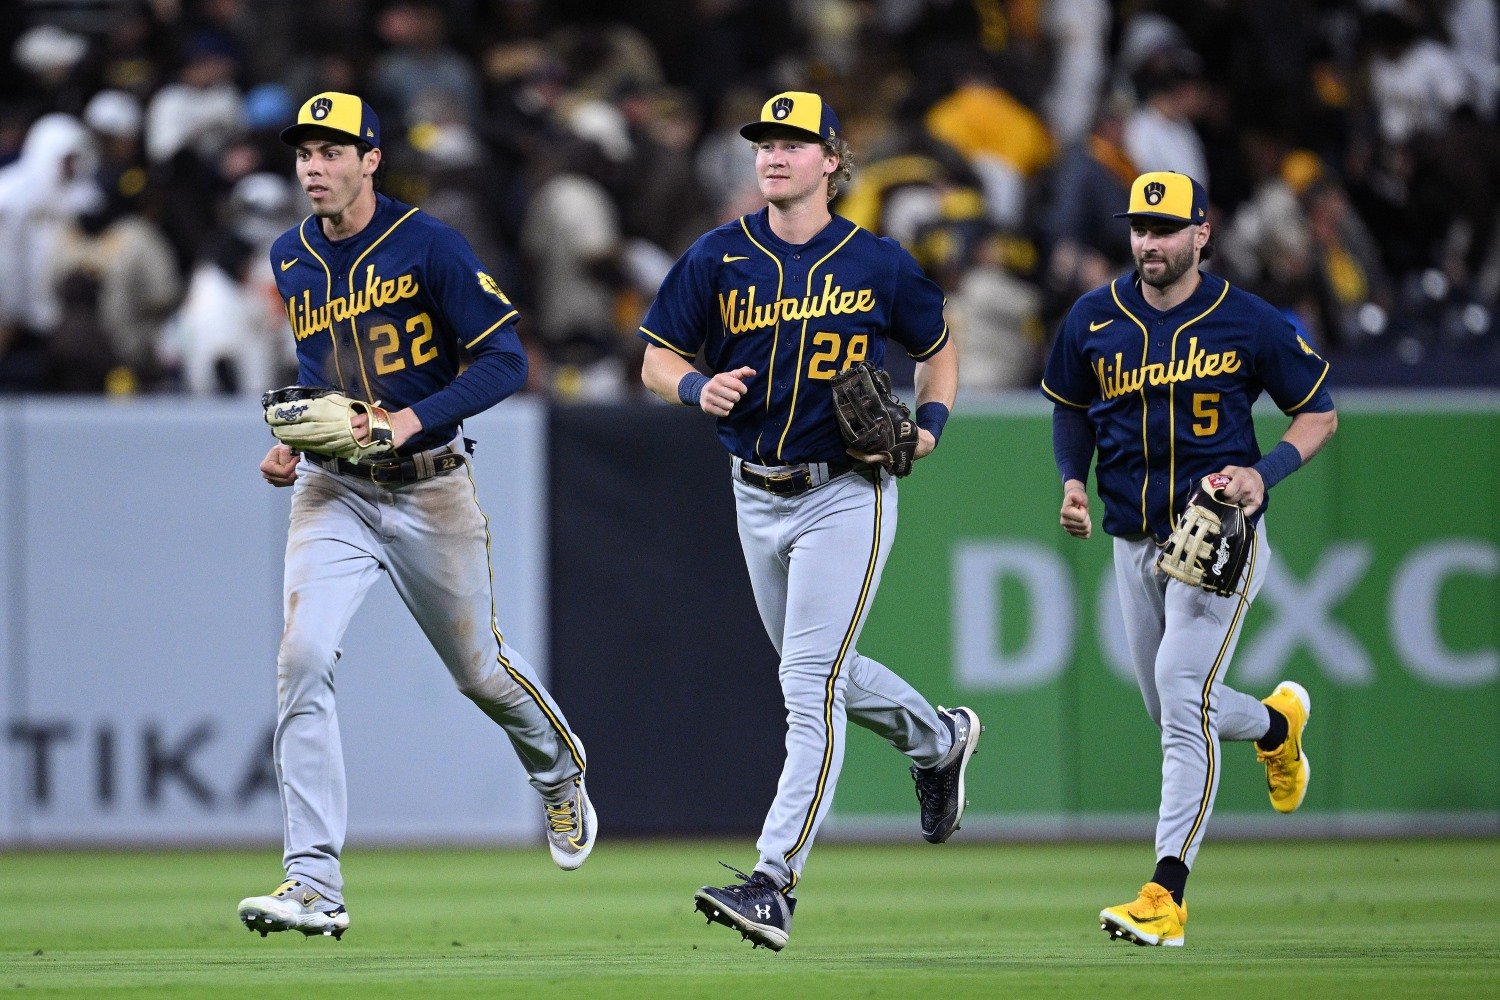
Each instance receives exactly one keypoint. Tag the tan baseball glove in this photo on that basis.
(312, 418)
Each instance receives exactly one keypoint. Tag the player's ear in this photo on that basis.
(372, 162)
(1201, 239)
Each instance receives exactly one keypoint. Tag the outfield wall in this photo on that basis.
(140, 611)
(139, 621)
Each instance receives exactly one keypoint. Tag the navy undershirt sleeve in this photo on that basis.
(1072, 442)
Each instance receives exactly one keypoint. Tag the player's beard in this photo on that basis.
(1176, 267)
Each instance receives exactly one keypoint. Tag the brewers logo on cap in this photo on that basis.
(343, 114)
(1165, 194)
(798, 111)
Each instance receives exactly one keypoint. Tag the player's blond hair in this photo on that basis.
(839, 147)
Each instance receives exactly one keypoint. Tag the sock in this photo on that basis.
(1276, 734)
(1171, 875)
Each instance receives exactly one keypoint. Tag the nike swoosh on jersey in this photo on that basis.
(1099, 326)
(730, 260)
(288, 263)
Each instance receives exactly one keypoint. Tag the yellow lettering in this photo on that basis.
(739, 312)
(377, 292)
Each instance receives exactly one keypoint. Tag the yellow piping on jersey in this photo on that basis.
(802, 345)
(775, 337)
(1312, 392)
(353, 327)
(1065, 402)
(1208, 741)
(669, 346)
(492, 329)
(516, 675)
(1145, 444)
(833, 675)
(1172, 405)
(333, 338)
(942, 339)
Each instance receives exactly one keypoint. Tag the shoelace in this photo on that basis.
(1156, 897)
(750, 884)
(1280, 772)
(562, 818)
(933, 787)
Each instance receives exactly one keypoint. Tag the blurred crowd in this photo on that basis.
(1349, 147)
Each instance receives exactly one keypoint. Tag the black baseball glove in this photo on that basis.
(311, 418)
(872, 419)
(1211, 542)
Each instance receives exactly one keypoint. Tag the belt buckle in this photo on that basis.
(792, 483)
(394, 477)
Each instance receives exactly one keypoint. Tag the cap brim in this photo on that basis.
(1155, 215)
(296, 135)
(756, 131)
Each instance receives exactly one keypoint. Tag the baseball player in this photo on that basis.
(1158, 371)
(384, 302)
(777, 303)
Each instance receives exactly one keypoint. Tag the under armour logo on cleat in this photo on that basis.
(763, 912)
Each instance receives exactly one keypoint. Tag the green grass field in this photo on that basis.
(1315, 920)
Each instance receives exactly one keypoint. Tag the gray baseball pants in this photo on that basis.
(432, 539)
(815, 562)
(1181, 640)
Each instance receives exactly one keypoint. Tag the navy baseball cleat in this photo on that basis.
(756, 908)
(292, 906)
(572, 827)
(940, 790)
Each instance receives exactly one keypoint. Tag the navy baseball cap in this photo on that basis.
(331, 111)
(1166, 194)
(796, 110)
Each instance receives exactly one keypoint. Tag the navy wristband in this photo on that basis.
(1283, 460)
(690, 388)
(932, 417)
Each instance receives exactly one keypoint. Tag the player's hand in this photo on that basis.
(279, 467)
(404, 426)
(1075, 511)
(1245, 488)
(723, 391)
(925, 443)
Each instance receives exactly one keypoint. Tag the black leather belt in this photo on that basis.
(791, 480)
(395, 472)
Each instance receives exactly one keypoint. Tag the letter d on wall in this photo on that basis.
(979, 569)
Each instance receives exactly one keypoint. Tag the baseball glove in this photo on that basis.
(311, 418)
(872, 419)
(1211, 542)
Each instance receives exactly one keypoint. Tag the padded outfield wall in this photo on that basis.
(140, 608)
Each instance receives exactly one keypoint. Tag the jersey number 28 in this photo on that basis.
(829, 347)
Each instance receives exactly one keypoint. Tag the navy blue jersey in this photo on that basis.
(798, 315)
(1169, 393)
(387, 314)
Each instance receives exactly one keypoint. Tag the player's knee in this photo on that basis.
(302, 656)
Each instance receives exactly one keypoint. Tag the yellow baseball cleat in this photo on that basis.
(1154, 918)
(1287, 767)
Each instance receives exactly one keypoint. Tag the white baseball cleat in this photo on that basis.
(572, 828)
(293, 907)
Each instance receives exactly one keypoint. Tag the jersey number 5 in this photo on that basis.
(830, 346)
(388, 351)
(1204, 404)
